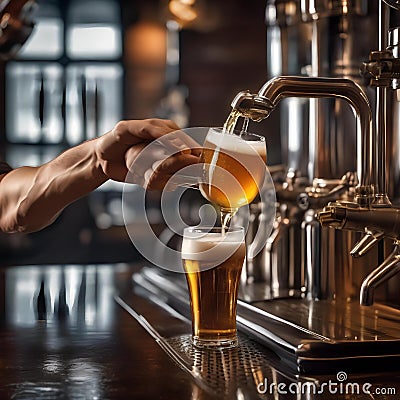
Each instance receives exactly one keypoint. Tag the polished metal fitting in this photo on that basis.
(252, 106)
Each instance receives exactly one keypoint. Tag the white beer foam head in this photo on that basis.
(211, 247)
(236, 144)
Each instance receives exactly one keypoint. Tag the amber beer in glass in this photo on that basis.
(213, 260)
(234, 167)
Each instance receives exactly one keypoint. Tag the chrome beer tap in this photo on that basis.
(368, 213)
(259, 106)
(371, 211)
(301, 196)
(379, 219)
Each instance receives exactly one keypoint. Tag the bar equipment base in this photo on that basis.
(226, 374)
(310, 337)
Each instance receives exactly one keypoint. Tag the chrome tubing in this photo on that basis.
(259, 106)
(376, 223)
(389, 268)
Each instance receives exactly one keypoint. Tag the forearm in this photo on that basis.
(31, 198)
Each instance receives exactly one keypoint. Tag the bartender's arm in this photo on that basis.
(32, 197)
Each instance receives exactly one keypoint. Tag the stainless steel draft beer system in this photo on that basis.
(329, 269)
(323, 293)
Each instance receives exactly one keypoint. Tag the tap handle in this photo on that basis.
(325, 190)
(366, 243)
(350, 216)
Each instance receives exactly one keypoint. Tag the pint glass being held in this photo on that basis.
(213, 260)
(234, 167)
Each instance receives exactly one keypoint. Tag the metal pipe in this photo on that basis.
(389, 268)
(259, 106)
(373, 221)
(376, 222)
(381, 196)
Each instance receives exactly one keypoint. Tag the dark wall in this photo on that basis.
(221, 53)
(217, 64)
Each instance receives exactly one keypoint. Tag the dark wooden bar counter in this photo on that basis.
(84, 358)
(63, 335)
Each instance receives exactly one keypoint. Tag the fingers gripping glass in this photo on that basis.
(173, 162)
(229, 161)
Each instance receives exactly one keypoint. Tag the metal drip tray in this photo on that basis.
(232, 373)
(325, 336)
(308, 336)
(242, 372)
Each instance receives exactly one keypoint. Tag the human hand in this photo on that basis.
(118, 152)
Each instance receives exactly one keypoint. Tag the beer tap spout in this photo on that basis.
(389, 268)
(259, 106)
(366, 243)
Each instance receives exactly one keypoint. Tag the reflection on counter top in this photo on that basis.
(78, 296)
(63, 335)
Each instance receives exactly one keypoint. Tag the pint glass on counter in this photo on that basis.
(212, 260)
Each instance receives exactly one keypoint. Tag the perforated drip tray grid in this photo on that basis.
(271, 351)
(308, 337)
(248, 371)
(229, 373)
